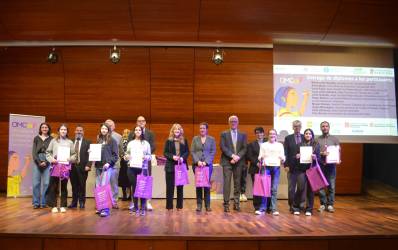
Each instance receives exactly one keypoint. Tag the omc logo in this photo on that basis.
(22, 125)
(291, 80)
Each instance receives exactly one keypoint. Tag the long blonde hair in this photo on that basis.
(171, 134)
(126, 133)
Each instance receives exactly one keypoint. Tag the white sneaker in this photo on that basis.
(62, 210)
(149, 206)
(243, 197)
(308, 213)
(54, 210)
(131, 206)
(275, 213)
(296, 213)
(258, 212)
(321, 208)
(330, 209)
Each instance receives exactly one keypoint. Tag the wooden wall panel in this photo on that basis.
(29, 85)
(78, 244)
(21, 243)
(216, 245)
(97, 89)
(67, 19)
(151, 244)
(242, 85)
(296, 244)
(172, 85)
(349, 172)
(173, 20)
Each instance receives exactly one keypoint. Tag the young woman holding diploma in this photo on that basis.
(60, 164)
(272, 155)
(303, 187)
(109, 157)
(138, 154)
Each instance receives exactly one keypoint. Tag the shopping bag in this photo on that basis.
(103, 194)
(181, 175)
(316, 178)
(143, 188)
(202, 178)
(262, 185)
(61, 170)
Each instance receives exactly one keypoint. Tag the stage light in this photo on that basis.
(114, 55)
(218, 56)
(52, 56)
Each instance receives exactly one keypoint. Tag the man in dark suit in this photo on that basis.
(292, 148)
(80, 169)
(233, 149)
(149, 136)
(253, 150)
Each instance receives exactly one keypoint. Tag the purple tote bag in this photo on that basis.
(316, 178)
(202, 177)
(143, 189)
(103, 194)
(262, 185)
(181, 175)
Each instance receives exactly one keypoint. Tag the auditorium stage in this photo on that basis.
(363, 222)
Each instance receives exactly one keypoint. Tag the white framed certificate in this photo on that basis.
(305, 154)
(272, 160)
(136, 157)
(95, 152)
(63, 154)
(333, 155)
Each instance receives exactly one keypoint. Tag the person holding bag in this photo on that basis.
(203, 150)
(272, 155)
(138, 154)
(41, 172)
(60, 153)
(109, 157)
(304, 191)
(176, 152)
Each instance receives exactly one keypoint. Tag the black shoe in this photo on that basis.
(226, 209)
(44, 206)
(73, 205)
(199, 208)
(36, 206)
(208, 209)
(237, 208)
(81, 205)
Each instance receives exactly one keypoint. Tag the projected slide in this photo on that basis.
(357, 101)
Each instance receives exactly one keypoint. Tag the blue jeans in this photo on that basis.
(40, 182)
(275, 173)
(329, 170)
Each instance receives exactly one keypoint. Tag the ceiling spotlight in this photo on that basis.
(218, 56)
(114, 55)
(52, 56)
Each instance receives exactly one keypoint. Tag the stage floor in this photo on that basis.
(360, 216)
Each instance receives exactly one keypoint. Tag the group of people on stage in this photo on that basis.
(124, 157)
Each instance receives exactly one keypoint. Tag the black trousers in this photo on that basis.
(78, 179)
(170, 191)
(243, 180)
(53, 192)
(132, 175)
(304, 194)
